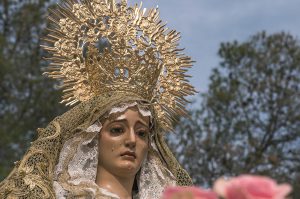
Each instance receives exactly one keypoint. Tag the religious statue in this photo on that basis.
(123, 69)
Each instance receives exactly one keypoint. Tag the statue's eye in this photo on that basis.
(142, 133)
(116, 130)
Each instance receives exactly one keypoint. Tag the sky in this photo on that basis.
(204, 24)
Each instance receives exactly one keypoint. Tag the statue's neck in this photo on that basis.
(121, 186)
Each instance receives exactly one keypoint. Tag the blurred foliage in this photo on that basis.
(27, 99)
(249, 120)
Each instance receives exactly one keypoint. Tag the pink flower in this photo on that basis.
(188, 193)
(251, 187)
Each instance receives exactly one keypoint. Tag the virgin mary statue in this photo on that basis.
(121, 70)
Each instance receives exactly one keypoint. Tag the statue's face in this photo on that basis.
(124, 143)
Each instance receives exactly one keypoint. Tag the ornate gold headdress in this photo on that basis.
(98, 46)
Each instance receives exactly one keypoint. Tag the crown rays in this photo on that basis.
(138, 54)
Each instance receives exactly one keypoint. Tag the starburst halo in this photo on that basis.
(100, 46)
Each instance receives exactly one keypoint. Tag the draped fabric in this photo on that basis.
(81, 169)
(41, 173)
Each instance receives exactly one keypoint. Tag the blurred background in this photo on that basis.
(246, 117)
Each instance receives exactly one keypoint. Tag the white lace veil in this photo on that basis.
(76, 170)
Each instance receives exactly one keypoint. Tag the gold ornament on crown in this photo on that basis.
(98, 46)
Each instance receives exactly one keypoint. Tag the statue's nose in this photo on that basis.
(130, 139)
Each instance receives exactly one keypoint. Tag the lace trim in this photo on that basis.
(154, 177)
(123, 107)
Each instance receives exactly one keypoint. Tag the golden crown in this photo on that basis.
(99, 46)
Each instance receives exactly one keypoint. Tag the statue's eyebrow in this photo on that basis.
(126, 121)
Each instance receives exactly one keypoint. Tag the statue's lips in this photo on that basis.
(129, 154)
